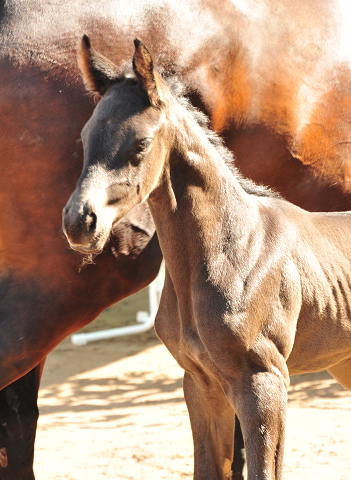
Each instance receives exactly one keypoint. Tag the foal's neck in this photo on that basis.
(199, 203)
(196, 163)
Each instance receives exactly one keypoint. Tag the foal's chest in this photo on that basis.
(176, 327)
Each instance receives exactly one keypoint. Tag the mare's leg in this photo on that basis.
(212, 424)
(18, 424)
(239, 453)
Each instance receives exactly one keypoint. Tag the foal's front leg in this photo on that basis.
(212, 424)
(260, 401)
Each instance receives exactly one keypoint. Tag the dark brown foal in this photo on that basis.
(256, 288)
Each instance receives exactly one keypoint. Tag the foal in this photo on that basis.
(256, 288)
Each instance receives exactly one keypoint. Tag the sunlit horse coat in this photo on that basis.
(273, 75)
(256, 288)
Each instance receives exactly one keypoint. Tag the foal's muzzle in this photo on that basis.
(79, 224)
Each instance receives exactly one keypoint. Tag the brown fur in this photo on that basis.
(249, 69)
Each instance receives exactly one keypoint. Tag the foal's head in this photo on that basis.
(125, 146)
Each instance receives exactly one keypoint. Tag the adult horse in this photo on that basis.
(256, 288)
(274, 78)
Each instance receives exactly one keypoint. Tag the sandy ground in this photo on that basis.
(114, 409)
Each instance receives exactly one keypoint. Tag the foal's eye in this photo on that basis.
(143, 145)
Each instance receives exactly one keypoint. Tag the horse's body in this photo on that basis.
(256, 288)
(274, 78)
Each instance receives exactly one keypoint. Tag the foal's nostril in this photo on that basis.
(64, 213)
(90, 221)
(65, 223)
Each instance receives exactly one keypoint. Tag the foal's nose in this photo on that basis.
(90, 219)
(79, 224)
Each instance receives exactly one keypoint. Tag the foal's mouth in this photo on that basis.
(95, 247)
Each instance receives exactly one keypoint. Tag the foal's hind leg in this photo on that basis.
(239, 461)
(342, 372)
(212, 424)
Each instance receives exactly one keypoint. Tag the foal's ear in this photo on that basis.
(98, 72)
(143, 67)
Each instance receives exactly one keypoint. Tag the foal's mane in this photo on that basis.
(179, 92)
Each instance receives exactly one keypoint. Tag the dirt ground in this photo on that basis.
(114, 409)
